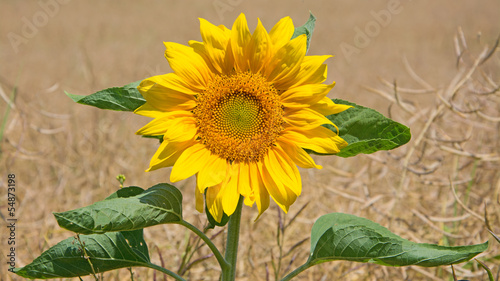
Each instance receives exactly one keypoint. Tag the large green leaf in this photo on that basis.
(306, 29)
(340, 236)
(159, 204)
(366, 130)
(104, 252)
(126, 98)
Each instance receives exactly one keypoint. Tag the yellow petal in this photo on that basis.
(260, 193)
(150, 111)
(305, 118)
(170, 120)
(259, 48)
(297, 154)
(248, 201)
(154, 128)
(216, 40)
(199, 200)
(272, 188)
(170, 81)
(201, 49)
(305, 95)
(167, 154)
(214, 202)
(244, 180)
(229, 192)
(285, 65)
(188, 65)
(166, 99)
(181, 129)
(312, 71)
(319, 139)
(282, 195)
(281, 33)
(226, 30)
(326, 107)
(190, 162)
(212, 35)
(240, 37)
(213, 173)
(282, 169)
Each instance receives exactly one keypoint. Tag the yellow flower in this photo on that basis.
(238, 112)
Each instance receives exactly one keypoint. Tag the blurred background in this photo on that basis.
(431, 65)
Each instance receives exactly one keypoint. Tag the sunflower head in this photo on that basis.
(238, 112)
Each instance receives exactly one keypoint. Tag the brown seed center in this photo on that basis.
(239, 116)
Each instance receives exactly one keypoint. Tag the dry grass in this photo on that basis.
(420, 69)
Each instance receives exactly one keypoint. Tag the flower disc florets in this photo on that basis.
(239, 116)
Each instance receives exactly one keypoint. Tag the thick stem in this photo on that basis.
(233, 236)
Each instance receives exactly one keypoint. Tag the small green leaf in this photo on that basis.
(126, 98)
(127, 209)
(340, 236)
(104, 252)
(159, 138)
(366, 130)
(306, 29)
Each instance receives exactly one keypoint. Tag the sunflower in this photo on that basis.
(238, 111)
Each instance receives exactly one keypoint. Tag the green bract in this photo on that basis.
(306, 29)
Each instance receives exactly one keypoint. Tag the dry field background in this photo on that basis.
(429, 66)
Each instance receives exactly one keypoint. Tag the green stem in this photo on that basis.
(222, 262)
(233, 236)
(166, 271)
(297, 271)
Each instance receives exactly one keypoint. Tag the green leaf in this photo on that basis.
(126, 98)
(366, 130)
(306, 29)
(159, 138)
(105, 252)
(340, 236)
(126, 192)
(159, 204)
